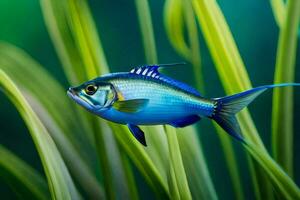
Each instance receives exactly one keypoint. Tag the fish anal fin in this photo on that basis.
(130, 106)
(186, 121)
(137, 133)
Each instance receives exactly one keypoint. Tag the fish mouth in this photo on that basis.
(73, 95)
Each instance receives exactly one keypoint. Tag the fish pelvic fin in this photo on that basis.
(227, 107)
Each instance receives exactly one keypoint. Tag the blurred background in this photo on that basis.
(253, 27)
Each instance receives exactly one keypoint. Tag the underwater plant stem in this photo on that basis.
(141, 160)
(145, 21)
(231, 162)
(133, 190)
(18, 174)
(279, 11)
(103, 159)
(284, 183)
(282, 113)
(60, 183)
(231, 70)
(176, 164)
(151, 57)
(194, 53)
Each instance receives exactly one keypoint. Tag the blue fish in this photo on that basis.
(143, 96)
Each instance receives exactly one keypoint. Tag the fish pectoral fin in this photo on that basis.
(137, 133)
(130, 106)
(186, 121)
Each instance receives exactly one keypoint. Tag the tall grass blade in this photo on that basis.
(63, 126)
(72, 29)
(174, 21)
(282, 116)
(16, 62)
(155, 134)
(279, 11)
(55, 17)
(58, 28)
(60, 183)
(196, 169)
(23, 179)
(231, 162)
(145, 21)
(177, 14)
(231, 70)
(141, 159)
(176, 164)
(86, 38)
(133, 191)
(282, 182)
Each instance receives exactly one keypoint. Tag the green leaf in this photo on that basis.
(144, 17)
(176, 164)
(283, 183)
(232, 74)
(136, 152)
(74, 34)
(231, 162)
(24, 180)
(60, 183)
(279, 11)
(63, 126)
(195, 165)
(282, 118)
(179, 14)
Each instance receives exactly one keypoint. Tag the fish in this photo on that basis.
(144, 96)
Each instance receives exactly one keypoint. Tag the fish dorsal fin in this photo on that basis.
(152, 71)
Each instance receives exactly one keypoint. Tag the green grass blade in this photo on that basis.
(86, 38)
(283, 183)
(145, 21)
(74, 34)
(23, 179)
(144, 17)
(57, 24)
(136, 152)
(175, 27)
(279, 11)
(282, 118)
(16, 62)
(231, 162)
(177, 14)
(59, 181)
(230, 68)
(176, 164)
(200, 182)
(63, 126)
(133, 191)
(55, 20)
(173, 187)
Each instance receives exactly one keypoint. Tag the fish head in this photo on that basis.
(94, 96)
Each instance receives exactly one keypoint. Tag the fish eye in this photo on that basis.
(91, 89)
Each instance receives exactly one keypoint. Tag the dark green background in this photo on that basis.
(252, 25)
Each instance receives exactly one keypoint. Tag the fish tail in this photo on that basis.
(227, 107)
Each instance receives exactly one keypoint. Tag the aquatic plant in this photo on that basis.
(75, 146)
